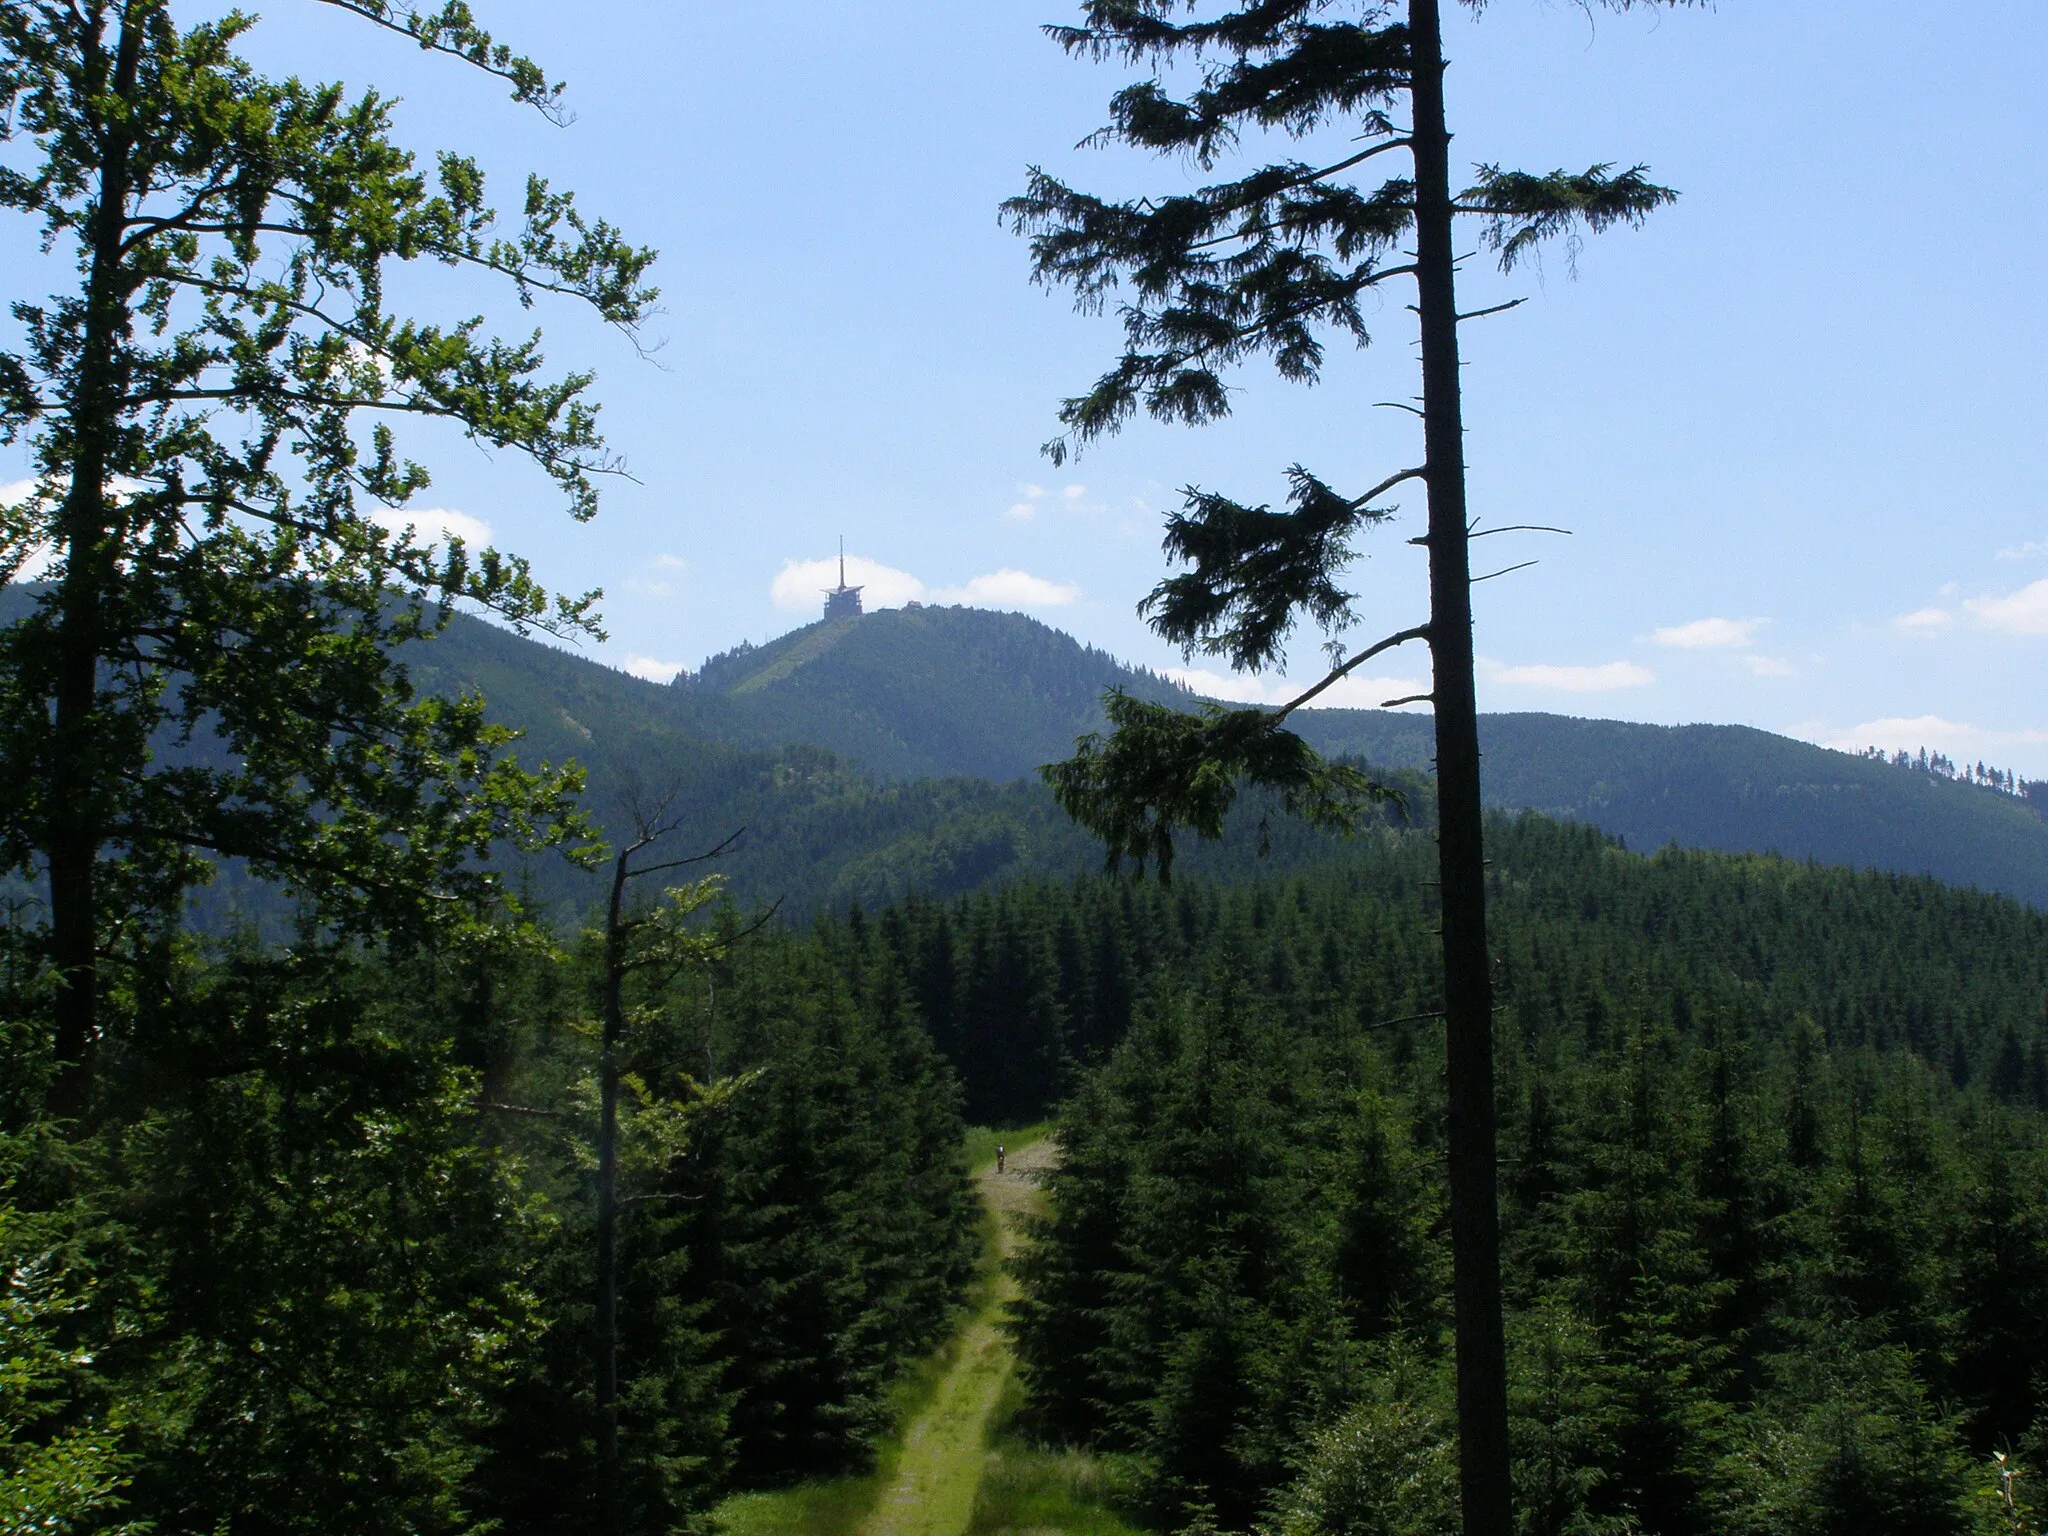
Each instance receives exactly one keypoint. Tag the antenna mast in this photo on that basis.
(842, 602)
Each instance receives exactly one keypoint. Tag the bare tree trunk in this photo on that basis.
(1468, 989)
(608, 1194)
(74, 827)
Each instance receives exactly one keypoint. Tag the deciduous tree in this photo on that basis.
(209, 402)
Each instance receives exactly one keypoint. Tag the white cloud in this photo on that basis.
(1925, 621)
(802, 584)
(15, 492)
(656, 582)
(1605, 678)
(1770, 666)
(1710, 634)
(1009, 588)
(1353, 692)
(360, 362)
(652, 670)
(2025, 551)
(2025, 750)
(1026, 509)
(1033, 497)
(433, 525)
(1235, 687)
(2025, 612)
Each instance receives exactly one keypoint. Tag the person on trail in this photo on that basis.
(999, 1157)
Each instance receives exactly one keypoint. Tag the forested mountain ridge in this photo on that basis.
(871, 757)
(966, 694)
(1732, 788)
(1025, 985)
(918, 692)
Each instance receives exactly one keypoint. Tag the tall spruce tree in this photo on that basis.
(1270, 263)
(209, 401)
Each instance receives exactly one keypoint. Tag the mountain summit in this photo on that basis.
(917, 692)
(903, 697)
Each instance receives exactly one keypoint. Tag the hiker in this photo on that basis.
(999, 1157)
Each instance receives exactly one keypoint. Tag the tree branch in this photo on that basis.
(1307, 179)
(1418, 473)
(1411, 1018)
(450, 31)
(1505, 571)
(695, 858)
(1419, 632)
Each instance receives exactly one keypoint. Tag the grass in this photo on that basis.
(810, 648)
(1030, 1491)
(953, 1464)
(836, 1506)
(1027, 1492)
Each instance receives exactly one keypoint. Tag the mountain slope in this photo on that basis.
(815, 830)
(916, 692)
(871, 756)
(960, 691)
(1732, 788)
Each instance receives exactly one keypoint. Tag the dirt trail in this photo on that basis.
(939, 1470)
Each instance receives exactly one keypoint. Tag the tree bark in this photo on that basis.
(608, 1193)
(74, 818)
(1468, 990)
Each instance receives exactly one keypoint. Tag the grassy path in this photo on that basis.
(944, 1449)
(928, 1479)
(955, 1468)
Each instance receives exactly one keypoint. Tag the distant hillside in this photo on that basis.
(893, 752)
(1732, 788)
(818, 829)
(964, 694)
(961, 691)
(917, 692)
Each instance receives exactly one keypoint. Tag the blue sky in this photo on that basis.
(1799, 424)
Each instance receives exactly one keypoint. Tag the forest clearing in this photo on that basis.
(931, 1477)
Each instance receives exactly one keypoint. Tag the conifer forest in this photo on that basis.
(449, 1088)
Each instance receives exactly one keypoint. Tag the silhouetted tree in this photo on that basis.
(1268, 264)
